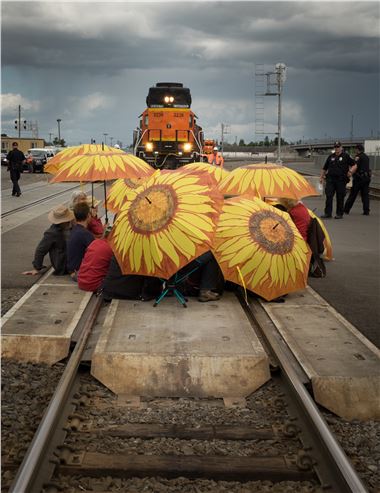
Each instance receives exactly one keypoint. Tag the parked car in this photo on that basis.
(36, 159)
(4, 161)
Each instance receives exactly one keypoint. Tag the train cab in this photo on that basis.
(168, 135)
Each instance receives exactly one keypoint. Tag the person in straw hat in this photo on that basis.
(53, 242)
(95, 224)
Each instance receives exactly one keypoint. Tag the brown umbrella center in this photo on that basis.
(152, 209)
(271, 232)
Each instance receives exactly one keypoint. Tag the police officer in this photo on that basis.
(361, 179)
(337, 173)
(15, 160)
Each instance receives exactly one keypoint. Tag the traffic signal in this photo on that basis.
(24, 124)
(93, 141)
(16, 124)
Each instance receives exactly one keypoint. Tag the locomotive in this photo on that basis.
(168, 135)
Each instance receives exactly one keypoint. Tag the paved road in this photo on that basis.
(352, 285)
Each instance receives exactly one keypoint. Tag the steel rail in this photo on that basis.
(28, 473)
(344, 474)
(36, 202)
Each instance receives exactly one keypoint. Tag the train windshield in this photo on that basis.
(170, 96)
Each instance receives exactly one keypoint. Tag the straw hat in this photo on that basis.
(288, 203)
(60, 214)
(92, 201)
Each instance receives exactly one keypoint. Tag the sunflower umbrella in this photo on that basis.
(164, 224)
(266, 180)
(54, 164)
(216, 171)
(91, 163)
(95, 162)
(328, 253)
(259, 247)
(118, 191)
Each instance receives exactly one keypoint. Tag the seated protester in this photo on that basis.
(299, 213)
(129, 287)
(95, 264)
(53, 242)
(76, 197)
(95, 224)
(206, 281)
(79, 239)
(314, 236)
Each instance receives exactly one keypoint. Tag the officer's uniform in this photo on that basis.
(336, 168)
(360, 183)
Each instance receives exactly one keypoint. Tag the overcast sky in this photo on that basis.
(91, 64)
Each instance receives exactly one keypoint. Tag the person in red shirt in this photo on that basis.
(95, 225)
(300, 215)
(95, 263)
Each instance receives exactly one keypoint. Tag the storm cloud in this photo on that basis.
(91, 64)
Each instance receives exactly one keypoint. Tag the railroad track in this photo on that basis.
(87, 432)
(37, 201)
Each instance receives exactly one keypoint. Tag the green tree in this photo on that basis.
(241, 142)
(60, 143)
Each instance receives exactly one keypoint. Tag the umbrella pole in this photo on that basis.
(92, 194)
(105, 200)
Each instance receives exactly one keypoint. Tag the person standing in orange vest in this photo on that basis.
(216, 158)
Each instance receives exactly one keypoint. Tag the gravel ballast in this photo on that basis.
(27, 388)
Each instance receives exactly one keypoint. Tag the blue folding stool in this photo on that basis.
(170, 286)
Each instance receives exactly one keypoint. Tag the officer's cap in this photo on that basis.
(337, 144)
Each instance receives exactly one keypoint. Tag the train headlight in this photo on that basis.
(168, 99)
(187, 147)
(149, 146)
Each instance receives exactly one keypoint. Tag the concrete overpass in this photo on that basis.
(313, 147)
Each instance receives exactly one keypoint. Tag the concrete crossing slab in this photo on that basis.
(343, 366)
(38, 328)
(169, 351)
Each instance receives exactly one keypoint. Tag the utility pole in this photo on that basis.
(59, 129)
(277, 79)
(105, 138)
(111, 141)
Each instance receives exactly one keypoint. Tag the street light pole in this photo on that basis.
(111, 141)
(59, 129)
(105, 138)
